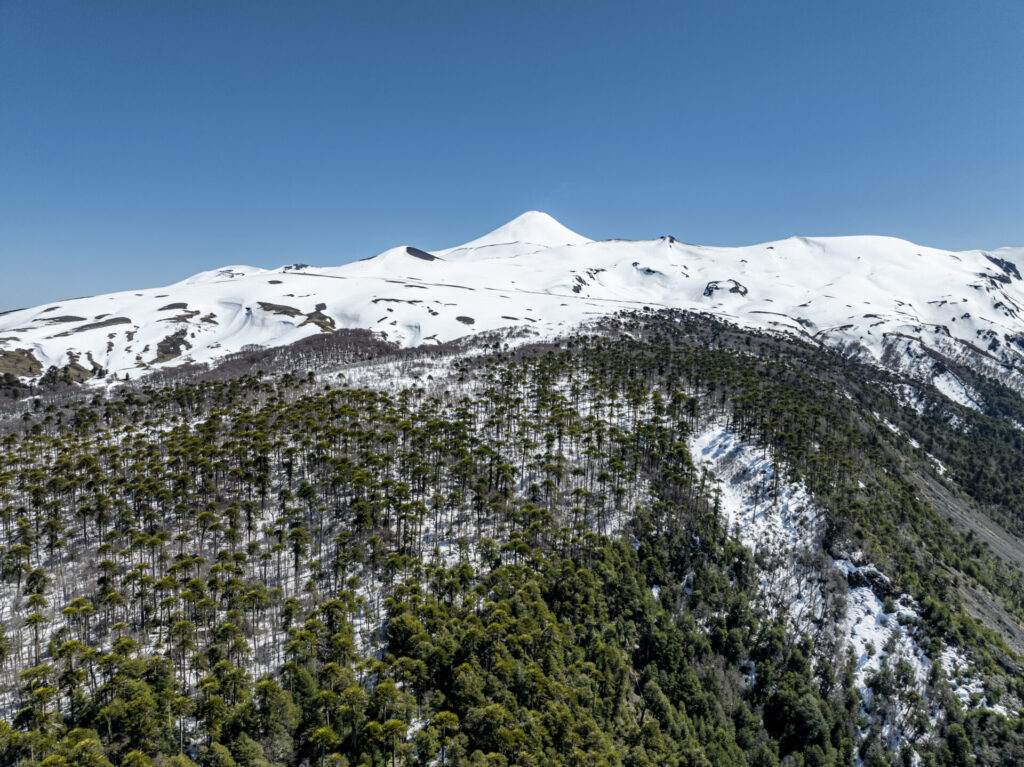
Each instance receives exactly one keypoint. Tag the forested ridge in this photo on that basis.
(518, 563)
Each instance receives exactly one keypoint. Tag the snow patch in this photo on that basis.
(952, 388)
(777, 520)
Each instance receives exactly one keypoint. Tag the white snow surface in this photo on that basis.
(764, 514)
(954, 389)
(862, 294)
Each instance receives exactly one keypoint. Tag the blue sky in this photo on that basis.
(142, 142)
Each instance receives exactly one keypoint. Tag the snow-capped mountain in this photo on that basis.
(879, 298)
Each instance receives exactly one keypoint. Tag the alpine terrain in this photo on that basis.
(533, 500)
(876, 299)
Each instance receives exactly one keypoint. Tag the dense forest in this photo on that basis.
(500, 554)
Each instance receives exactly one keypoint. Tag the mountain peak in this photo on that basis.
(533, 227)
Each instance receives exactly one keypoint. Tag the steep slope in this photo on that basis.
(918, 310)
(666, 541)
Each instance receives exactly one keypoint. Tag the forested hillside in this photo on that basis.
(503, 554)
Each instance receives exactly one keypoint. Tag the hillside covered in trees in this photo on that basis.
(508, 553)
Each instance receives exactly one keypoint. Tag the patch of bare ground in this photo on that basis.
(287, 311)
(62, 318)
(979, 602)
(95, 326)
(965, 518)
(321, 320)
(171, 347)
(20, 362)
(183, 317)
(984, 606)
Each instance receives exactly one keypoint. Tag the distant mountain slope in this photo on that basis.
(918, 310)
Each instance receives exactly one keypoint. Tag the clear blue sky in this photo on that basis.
(141, 142)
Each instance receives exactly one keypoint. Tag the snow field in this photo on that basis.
(879, 299)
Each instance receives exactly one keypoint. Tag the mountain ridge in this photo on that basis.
(880, 299)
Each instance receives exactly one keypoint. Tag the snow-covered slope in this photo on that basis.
(778, 521)
(880, 298)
